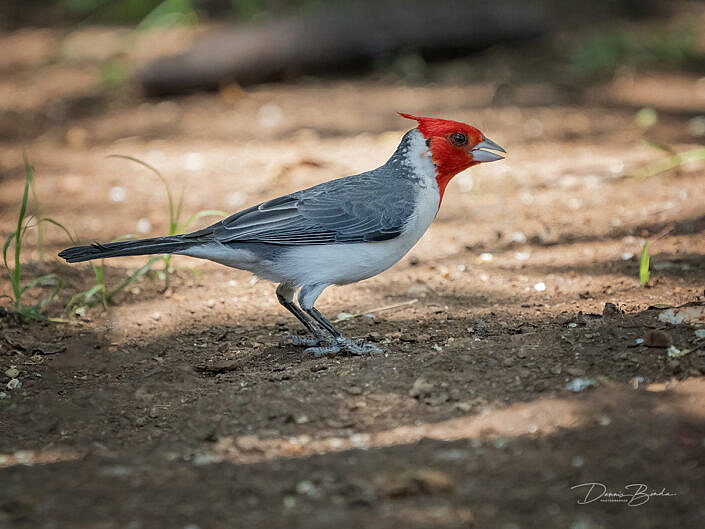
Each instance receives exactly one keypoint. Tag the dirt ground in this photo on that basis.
(181, 408)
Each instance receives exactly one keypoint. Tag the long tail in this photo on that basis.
(124, 248)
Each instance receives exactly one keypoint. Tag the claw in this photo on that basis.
(355, 347)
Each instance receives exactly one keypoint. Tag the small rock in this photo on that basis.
(306, 488)
(354, 390)
(210, 303)
(14, 384)
(581, 384)
(611, 310)
(688, 314)
(654, 338)
(421, 388)
(12, 372)
(418, 289)
(575, 371)
(301, 419)
(674, 352)
(422, 480)
(540, 286)
(656, 387)
(156, 316)
(437, 399)
(432, 481)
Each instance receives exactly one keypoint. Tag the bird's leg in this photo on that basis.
(307, 296)
(285, 296)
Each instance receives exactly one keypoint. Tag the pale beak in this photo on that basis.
(479, 155)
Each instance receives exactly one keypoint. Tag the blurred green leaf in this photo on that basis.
(113, 73)
(646, 118)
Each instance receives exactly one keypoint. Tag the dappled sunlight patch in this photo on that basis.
(540, 417)
(39, 457)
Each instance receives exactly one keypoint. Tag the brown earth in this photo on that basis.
(180, 408)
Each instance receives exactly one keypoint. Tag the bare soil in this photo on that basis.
(180, 408)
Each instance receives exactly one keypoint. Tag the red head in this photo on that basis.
(454, 146)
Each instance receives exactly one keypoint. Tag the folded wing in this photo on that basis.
(348, 210)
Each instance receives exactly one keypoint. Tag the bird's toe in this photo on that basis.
(295, 339)
(358, 348)
(323, 350)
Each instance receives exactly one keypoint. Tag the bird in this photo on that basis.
(335, 233)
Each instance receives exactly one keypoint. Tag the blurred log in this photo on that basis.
(334, 39)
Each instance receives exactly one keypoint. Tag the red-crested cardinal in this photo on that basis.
(335, 233)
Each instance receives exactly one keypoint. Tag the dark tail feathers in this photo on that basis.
(125, 248)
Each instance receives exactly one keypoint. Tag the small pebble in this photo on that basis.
(654, 338)
(144, 226)
(518, 237)
(581, 384)
(14, 384)
(117, 194)
(540, 286)
(306, 488)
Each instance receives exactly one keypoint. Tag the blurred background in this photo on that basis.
(256, 97)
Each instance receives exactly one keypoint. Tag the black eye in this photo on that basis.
(458, 139)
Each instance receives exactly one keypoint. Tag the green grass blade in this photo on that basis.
(174, 221)
(16, 275)
(40, 228)
(156, 172)
(673, 161)
(644, 273)
(72, 238)
(136, 275)
(196, 216)
(39, 280)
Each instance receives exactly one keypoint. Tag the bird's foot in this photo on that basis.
(355, 347)
(308, 341)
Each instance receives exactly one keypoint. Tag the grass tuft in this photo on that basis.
(176, 227)
(24, 222)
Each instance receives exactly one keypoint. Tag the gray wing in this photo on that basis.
(352, 209)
